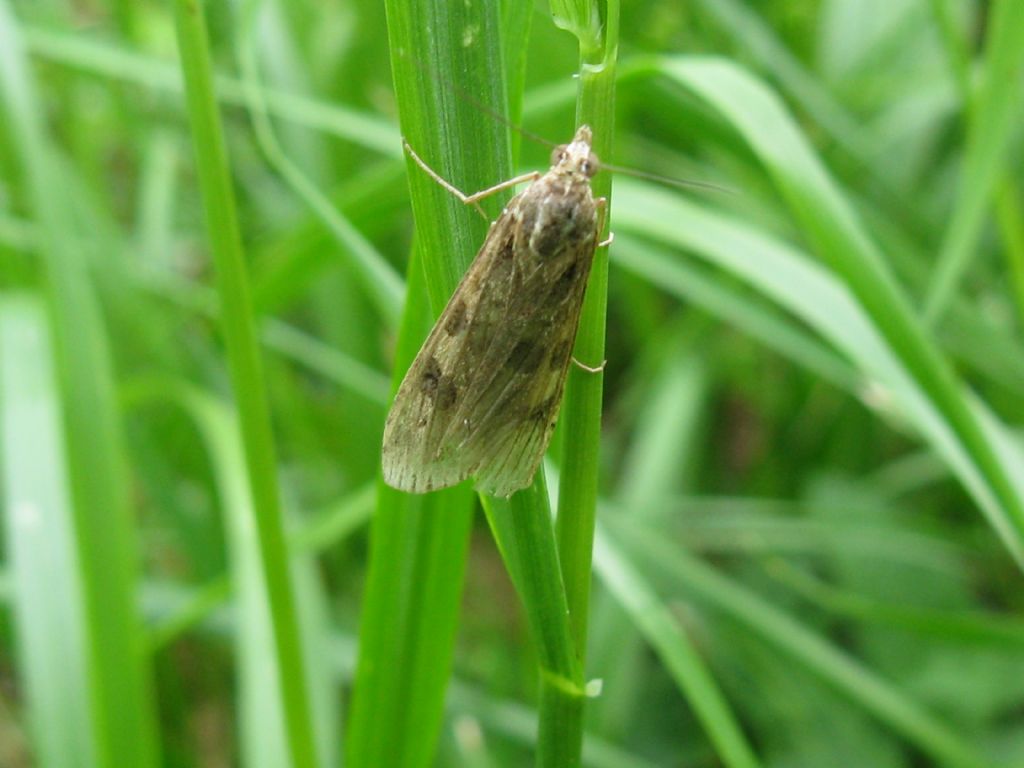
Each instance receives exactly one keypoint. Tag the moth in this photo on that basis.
(482, 396)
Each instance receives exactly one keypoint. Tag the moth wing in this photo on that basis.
(514, 453)
(483, 393)
(518, 396)
(416, 457)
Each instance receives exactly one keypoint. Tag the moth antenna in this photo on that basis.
(526, 134)
(508, 123)
(666, 180)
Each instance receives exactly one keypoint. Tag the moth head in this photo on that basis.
(576, 156)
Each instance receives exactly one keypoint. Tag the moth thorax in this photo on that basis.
(561, 222)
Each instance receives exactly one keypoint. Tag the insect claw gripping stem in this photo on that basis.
(602, 215)
(588, 368)
(474, 198)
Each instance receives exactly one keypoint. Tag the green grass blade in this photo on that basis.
(407, 627)
(596, 28)
(524, 533)
(327, 361)
(582, 19)
(755, 37)
(246, 375)
(830, 224)
(803, 287)
(39, 534)
(337, 523)
(669, 426)
(261, 716)
(418, 552)
(983, 630)
(991, 123)
(677, 277)
(799, 645)
(378, 277)
(120, 705)
(518, 722)
(116, 63)
(580, 417)
(262, 721)
(191, 612)
(954, 44)
(1011, 222)
(681, 659)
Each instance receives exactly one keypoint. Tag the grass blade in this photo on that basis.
(410, 612)
(40, 537)
(246, 374)
(800, 645)
(991, 123)
(261, 719)
(128, 66)
(580, 417)
(831, 226)
(378, 277)
(120, 705)
(679, 656)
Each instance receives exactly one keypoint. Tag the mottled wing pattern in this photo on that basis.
(532, 394)
(483, 394)
(412, 458)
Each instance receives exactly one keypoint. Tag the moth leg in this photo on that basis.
(474, 198)
(589, 369)
(529, 176)
(602, 215)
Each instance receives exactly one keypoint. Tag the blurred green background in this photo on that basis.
(811, 493)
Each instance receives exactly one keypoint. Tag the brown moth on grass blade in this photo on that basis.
(482, 396)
